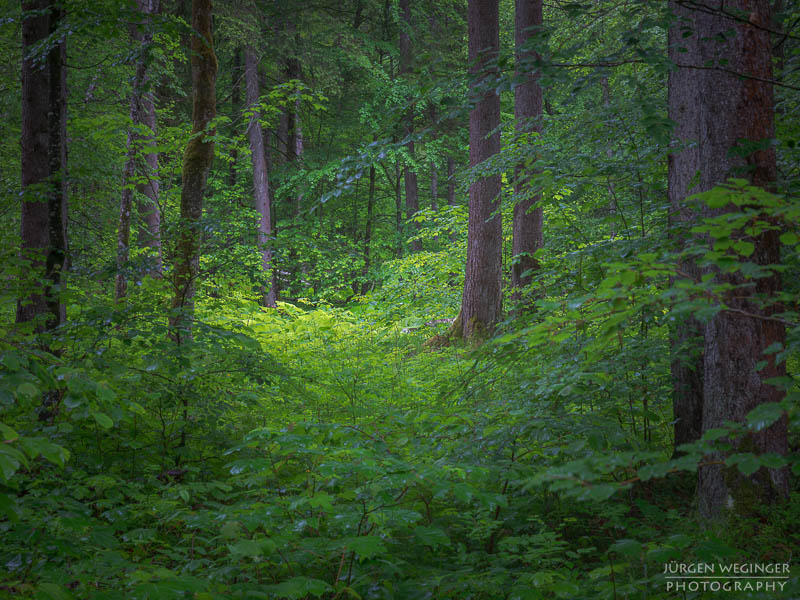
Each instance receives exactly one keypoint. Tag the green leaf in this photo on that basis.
(299, 587)
(367, 546)
(9, 435)
(51, 591)
(627, 547)
(764, 415)
(103, 420)
(253, 548)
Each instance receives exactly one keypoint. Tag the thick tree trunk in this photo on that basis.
(409, 175)
(528, 218)
(37, 164)
(686, 110)
(481, 302)
(197, 160)
(730, 109)
(261, 192)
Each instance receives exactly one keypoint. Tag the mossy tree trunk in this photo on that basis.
(197, 160)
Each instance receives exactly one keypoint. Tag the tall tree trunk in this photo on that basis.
(142, 114)
(434, 188)
(398, 210)
(481, 302)
(528, 218)
(148, 188)
(57, 251)
(409, 175)
(685, 101)
(731, 109)
(368, 228)
(451, 189)
(197, 160)
(236, 107)
(261, 192)
(36, 143)
(451, 181)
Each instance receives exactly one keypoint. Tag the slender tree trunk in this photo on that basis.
(528, 217)
(197, 160)
(398, 210)
(261, 192)
(142, 114)
(451, 189)
(368, 228)
(732, 109)
(481, 302)
(236, 107)
(148, 189)
(409, 175)
(434, 188)
(56, 254)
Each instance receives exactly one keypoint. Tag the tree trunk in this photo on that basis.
(236, 108)
(684, 92)
(261, 193)
(148, 188)
(409, 175)
(451, 189)
(730, 109)
(142, 113)
(368, 229)
(197, 160)
(36, 143)
(56, 254)
(528, 218)
(481, 302)
(398, 210)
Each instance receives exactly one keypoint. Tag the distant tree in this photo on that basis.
(528, 217)
(722, 100)
(481, 303)
(261, 190)
(406, 68)
(197, 160)
(137, 176)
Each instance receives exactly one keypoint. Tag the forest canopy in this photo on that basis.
(398, 299)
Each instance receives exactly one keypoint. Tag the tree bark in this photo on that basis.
(261, 191)
(685, 101)
(732, 109)
(41, 218)
(481, 301)
(409, 175)
(528, 236)
(197, 160)
(236, 107)
(368, 229)
(142, 114)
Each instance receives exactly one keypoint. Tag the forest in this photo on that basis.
(399, 299)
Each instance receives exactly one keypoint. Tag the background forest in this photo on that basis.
(396, 299)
